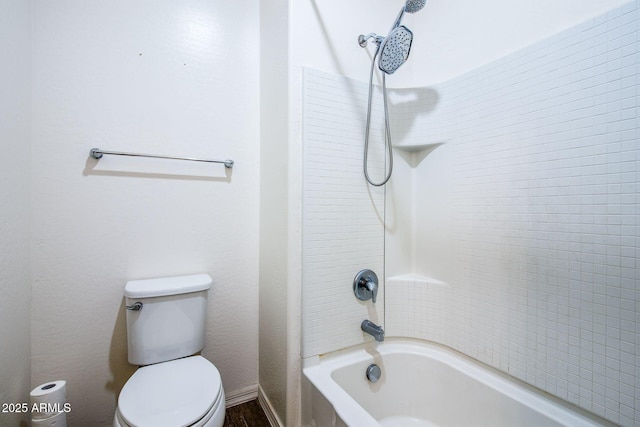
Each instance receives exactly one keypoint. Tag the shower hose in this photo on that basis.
(387, 131)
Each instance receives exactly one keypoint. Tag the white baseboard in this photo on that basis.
(244, 395)
(266, 406)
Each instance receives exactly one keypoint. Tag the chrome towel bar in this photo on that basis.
(97, 153)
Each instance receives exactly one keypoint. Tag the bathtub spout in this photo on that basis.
(372, 329)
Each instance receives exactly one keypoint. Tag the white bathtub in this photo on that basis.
(425, 385)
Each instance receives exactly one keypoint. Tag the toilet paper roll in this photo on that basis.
(59, 420)
(48, 399)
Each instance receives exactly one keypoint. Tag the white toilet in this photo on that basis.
(165, 328)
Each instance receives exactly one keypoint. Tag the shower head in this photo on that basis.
(395, 48)
(414, 6)
(411, 6)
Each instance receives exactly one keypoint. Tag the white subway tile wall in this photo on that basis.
(546, 217)
(343, 217)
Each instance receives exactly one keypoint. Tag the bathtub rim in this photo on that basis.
(318, 371)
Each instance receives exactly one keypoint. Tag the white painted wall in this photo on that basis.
(163, 77)
(452, 37)
(15, 214)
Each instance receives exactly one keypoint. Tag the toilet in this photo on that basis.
(174, 386)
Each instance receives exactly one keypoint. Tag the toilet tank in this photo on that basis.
(171, 321)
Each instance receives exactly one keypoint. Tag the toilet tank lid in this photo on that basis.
(162, 286)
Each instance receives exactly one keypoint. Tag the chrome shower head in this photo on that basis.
(414, 6)
(395, 48)
(411, 6)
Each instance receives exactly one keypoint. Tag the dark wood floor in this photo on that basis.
(248, 414)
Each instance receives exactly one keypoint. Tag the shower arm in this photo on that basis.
(362, 39)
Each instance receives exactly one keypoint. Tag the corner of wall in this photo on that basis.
(274, 210)
(15, 184)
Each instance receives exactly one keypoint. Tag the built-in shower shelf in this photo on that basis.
(416, 279)
(418, 147)
(414, 154)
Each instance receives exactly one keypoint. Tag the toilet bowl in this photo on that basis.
(174, 387)
(183, 392)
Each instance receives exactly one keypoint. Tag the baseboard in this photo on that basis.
(244, 395)
(266, 406)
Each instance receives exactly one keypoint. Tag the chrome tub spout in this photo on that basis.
(372, 329)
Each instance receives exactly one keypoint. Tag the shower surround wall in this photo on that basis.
(343, 217)
(527, 260)
(541, 153)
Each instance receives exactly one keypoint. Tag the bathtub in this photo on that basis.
(425, 385)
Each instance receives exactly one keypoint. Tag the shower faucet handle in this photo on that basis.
(365, 285)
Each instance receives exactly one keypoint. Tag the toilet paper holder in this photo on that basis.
(135, 307)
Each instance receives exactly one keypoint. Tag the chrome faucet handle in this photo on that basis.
(371, 287)
(365, 285)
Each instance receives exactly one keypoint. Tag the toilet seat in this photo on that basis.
(182, 392)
